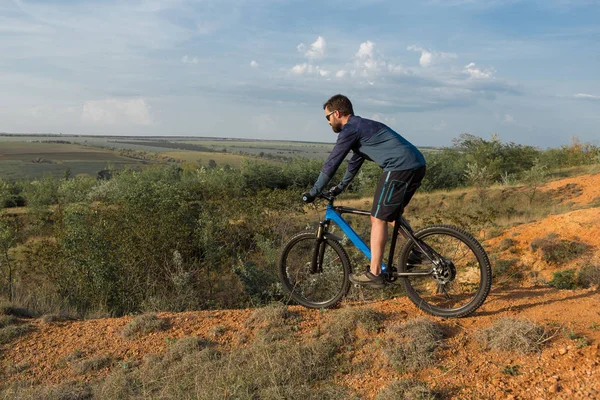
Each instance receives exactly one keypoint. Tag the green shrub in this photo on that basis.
(564, 280)
(506, 244)
(558, 251)
(260, 285)
(589, 275)
(502, 267)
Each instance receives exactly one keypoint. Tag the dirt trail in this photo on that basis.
(565, 369)
(561, 370)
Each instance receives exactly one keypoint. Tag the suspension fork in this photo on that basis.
(319, 249)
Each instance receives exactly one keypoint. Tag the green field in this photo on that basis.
(25, 160)
(31, 156)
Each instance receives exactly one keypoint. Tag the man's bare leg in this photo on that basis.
(379, 236)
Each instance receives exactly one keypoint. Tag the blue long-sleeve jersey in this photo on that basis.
(368, 140)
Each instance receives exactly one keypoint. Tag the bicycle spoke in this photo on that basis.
(458, 279)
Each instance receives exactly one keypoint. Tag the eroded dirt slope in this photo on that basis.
(565, 368)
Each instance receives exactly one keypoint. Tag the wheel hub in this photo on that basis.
(444, 272)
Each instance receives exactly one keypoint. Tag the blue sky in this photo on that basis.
(433, 69)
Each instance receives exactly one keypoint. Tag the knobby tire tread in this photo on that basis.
(484, 267)
(338, 248)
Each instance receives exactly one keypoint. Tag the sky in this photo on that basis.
(262, 69)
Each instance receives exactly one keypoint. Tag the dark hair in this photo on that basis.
(341, 103)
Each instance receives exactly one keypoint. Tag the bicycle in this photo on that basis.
(443, 269)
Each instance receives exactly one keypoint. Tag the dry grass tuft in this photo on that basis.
(407, 389)
(64, 391)
(183, 347)
(11, 332)
(49, 318)
(144, 324)
(513, 335)
(343, 323)
(273, 314)
(274, 322)
(92, 364)
(416, 344)
(6, 320)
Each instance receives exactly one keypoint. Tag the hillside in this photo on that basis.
(567, 365)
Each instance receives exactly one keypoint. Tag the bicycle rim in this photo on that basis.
(314, 289)
(468, 264)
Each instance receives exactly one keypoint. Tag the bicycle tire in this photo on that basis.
(324, 289)
(471, 268)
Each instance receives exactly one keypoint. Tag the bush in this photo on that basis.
(564, 280)
(144, 324)
(260, 285)
(589, 275)
(511, 334)
(558, 251)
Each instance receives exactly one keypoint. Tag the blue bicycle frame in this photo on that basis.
(332, 215)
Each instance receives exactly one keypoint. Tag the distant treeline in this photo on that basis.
(169, 145)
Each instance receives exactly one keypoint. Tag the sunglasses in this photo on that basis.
(329, 115)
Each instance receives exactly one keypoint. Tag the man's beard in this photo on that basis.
(337, 128)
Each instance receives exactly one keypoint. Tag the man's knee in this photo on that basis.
(380, 222)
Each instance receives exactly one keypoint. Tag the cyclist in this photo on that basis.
(403, 170)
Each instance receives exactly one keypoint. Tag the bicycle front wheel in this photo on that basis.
(314, 274)
(463, 282)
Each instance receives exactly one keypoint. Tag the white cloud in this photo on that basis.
(429, 57)
(477, 73)
(367, 61)
(253, 64)
(585, 96)
(116, 112)
(309, 69)
(508, 119)
(341, 73)
(317, 49)
(189, 60)
(301, 69)
(366, 50)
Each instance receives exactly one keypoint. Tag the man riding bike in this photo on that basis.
(403, 170)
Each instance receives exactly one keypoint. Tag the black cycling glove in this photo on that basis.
(308, 198)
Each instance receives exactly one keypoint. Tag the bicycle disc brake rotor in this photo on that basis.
(445, 272)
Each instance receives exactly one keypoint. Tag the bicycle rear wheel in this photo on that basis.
(460, 285)
(314, 274)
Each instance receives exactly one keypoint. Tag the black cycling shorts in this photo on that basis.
(394, 191)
